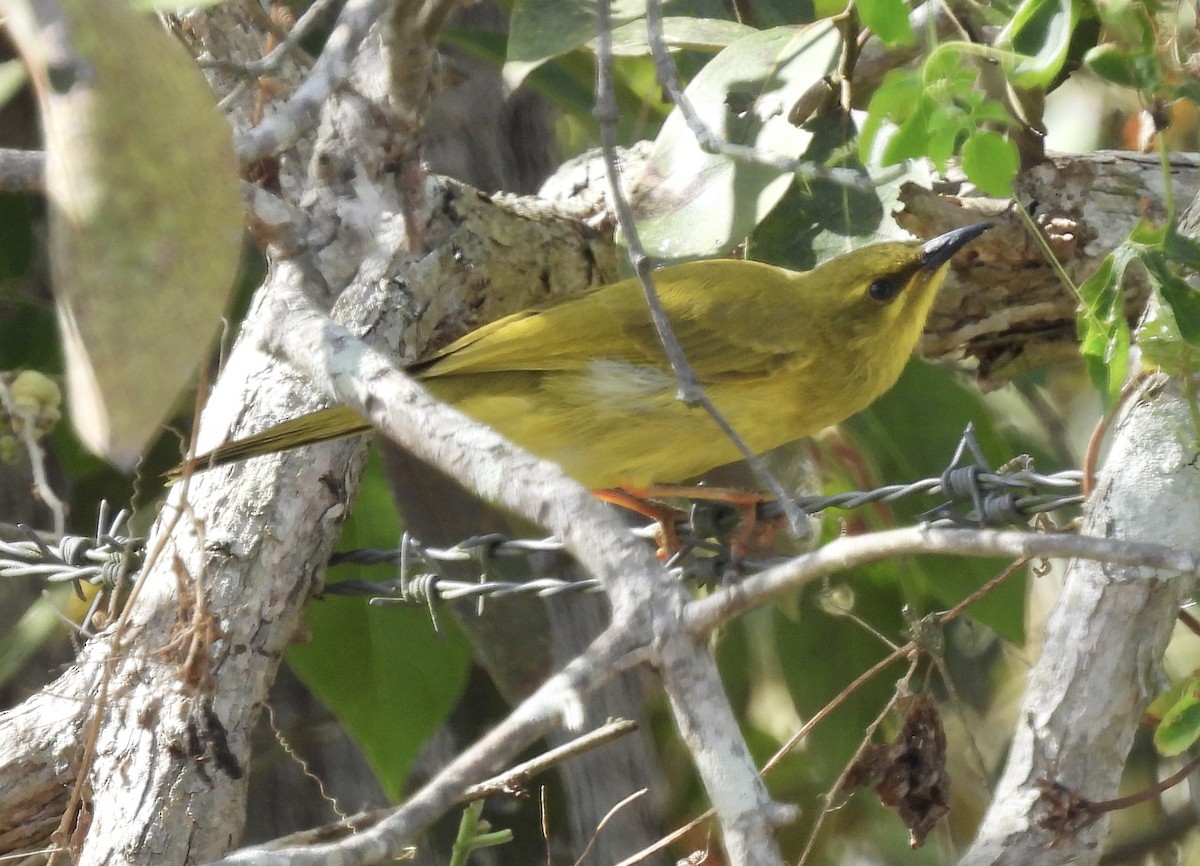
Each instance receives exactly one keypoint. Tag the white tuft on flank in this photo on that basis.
(619, 383)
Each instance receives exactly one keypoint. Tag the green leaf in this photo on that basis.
(887, 19)
(1130, 21)
(23, 637)
(12, 78)
(1148, 234)
(690, 203)
(896, 98)
(541, 29)
(1112, 63)
(146, 220)
(1180, 725)
(1181, 249)
(1170, 333)
(936, 112)
(1183, 300)
(941, 145)
(904, 445)
(989, 110)
(1101, 326)
(1187, 89)
(822, 219)
(381, 670)
(991, 161)
(1040, 34)
(945, 64)
(909, 141)
(1163, 346)
(697, 34)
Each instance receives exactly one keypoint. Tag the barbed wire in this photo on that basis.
(992, 496)
(106, 559)
(975, 495)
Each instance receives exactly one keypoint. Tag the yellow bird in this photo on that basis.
(585, 382)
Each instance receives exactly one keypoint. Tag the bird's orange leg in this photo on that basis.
(751, 533)
(664, 516)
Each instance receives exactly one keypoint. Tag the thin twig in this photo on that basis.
(300, 112)
(1154, 790)
(608, 816)
(514, 780)
(1091, 453)
(289, 43)
(901, 686)
(509, 783)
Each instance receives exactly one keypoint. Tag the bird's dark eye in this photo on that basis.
(884, 290)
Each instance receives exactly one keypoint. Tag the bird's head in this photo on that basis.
(885, 291)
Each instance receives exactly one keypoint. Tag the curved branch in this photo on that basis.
(706, 614)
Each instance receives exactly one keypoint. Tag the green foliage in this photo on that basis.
(42, 621)
(709, 35)
(1179, 709)
(1102, 328)
(823, 219)
(568, 82)
(383, 671)
(938, 113)
(1169, 337)
(899, 445)
(887, 19)
(1138, 55)
(692, 203)
(1137, 52)
(941, 109)
(475, 833)
(541, 30)
(1136, 70)
(1035, 46)
(991, 161)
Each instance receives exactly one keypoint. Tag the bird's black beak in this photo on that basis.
(938, 251)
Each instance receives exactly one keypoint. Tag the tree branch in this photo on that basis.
(552, 704)
(301, 111)
(1099, 665)
(704, 615)
(22, 170)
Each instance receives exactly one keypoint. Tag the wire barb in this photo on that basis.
(103, 559)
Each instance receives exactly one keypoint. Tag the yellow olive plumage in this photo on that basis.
(585, 383)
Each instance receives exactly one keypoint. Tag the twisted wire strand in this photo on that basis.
(976, 496)
(993, 498)
(100, 559)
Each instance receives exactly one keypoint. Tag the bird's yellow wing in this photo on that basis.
(612, 323)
